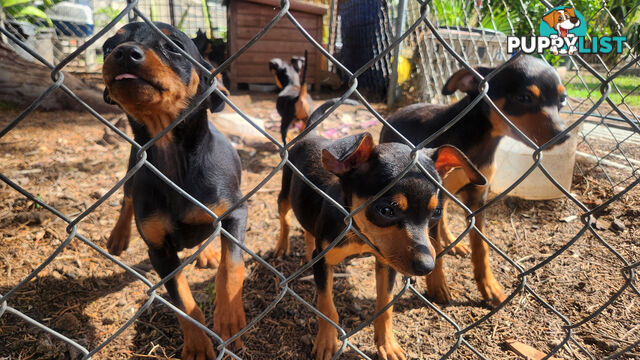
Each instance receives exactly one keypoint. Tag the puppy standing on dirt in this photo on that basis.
(294, 103)
(529, 93)
(154, 83)
(352, 170)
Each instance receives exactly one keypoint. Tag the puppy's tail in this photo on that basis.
(317, 114)
(303, 80)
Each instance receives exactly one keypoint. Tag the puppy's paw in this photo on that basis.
(388, 349)
(460, 250)
(326, 343)
(228, 320)
(281, 250)
(197, 345)
(437, 289)
(119, 239)
(491, 291)
(209, 257)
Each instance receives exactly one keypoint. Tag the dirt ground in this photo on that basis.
(62, 158)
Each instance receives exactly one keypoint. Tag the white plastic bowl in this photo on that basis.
(514, 158)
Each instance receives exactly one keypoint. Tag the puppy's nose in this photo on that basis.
(423, 266)
(128, 55)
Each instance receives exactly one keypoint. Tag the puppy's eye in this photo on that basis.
(437, 213)
(523, 98)
(386, 211)
(106, 52)
(171, 48)
(563, 100)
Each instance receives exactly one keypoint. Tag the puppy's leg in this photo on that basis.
(474, 197)
(310, 245)
(388, 348)
(326, 343)
(121, 233)
(284, 205)
(284, 127)
(453, 182)
(437, 287)
(228, 315)
(197, 344)
(446, 235)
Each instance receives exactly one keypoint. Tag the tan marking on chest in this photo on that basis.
(340, 252)
(196, 215)
(155, 228)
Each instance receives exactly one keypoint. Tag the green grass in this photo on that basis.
(628, 85)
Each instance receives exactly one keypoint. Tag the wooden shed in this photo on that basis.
(246, 18)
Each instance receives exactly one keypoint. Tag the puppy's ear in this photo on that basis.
(347, 153)
(551, 19)
(446, 158)
(464, 81)
(107, 98)
(275, 64)
(215, 102)
(571, 11)
(297, 62)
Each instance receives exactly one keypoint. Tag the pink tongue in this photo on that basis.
(126, 76)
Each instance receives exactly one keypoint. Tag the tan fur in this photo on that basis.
(401, 201)
(196, 341)
(198, 216)
(155, 228)
(121, 233)
(148, 105)
(386, 343)
(228, 315)
(395, 243)
(282, 247)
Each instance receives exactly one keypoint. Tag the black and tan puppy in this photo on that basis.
(294, 104)
(529, 93)
(352, 170)
(286, 74)
(153, 83)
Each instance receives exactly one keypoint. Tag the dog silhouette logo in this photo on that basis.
(563, 22)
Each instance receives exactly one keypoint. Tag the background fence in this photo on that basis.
(603, 108)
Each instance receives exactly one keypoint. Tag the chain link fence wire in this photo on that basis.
(442, 42)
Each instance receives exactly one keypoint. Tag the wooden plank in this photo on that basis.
(274, 47)
(259, 70)
(526, 351)
(294, 5)
(277, 33)
(262, 19)
(263, 58)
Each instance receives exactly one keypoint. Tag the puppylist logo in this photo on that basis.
(563, 31)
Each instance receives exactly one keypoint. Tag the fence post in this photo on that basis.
(393, 81)
(332, 31)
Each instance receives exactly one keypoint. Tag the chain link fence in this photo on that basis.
(439, 48)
